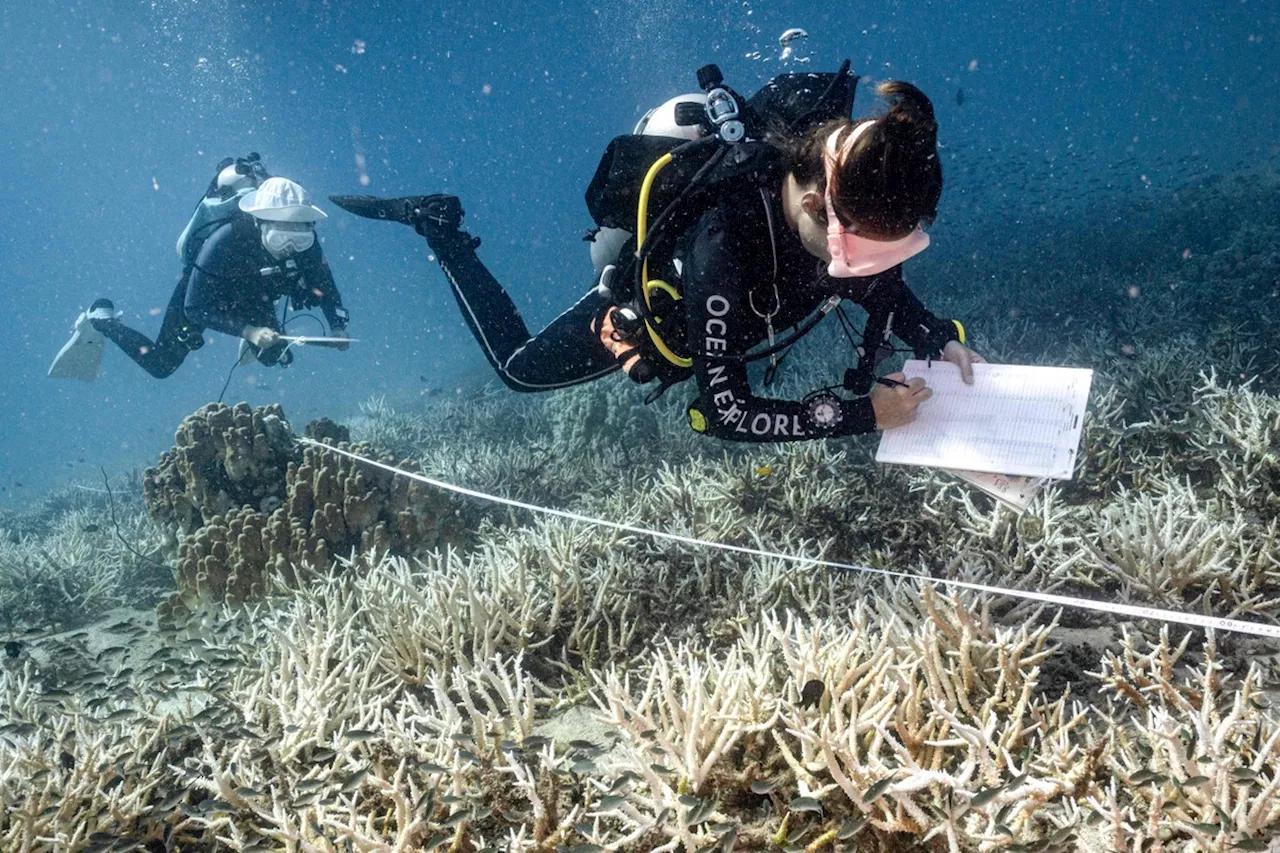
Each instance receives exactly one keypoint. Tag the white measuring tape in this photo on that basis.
(1135, 611)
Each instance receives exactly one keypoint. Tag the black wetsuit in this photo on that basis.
(730, 258)
(234, 283)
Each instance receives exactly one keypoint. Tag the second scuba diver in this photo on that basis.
(250, 242)
(797, 208)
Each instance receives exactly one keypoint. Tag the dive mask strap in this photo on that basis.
(851, 255)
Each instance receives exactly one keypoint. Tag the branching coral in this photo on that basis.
(359, 699)
(1200, 765)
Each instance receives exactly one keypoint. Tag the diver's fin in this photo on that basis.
(371, 207)
(81, 357)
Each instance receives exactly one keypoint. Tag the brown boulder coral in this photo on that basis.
(250, 508)
(223, 458)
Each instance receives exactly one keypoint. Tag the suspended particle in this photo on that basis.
(789, 41)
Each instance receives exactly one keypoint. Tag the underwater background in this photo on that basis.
(1052, 115)
(219, 630)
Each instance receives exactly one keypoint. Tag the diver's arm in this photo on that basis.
(926, 333)
(726, 407)
(318, 280)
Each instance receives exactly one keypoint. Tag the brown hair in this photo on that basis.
(891, 180)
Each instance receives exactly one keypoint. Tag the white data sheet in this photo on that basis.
(1015, 420)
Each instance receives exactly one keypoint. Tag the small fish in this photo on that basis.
(206, 714)
(121, 715)
(764, 470)
(960, 97)
(306, 786)
(986, 795)
(12, 649)
(323, 753)
(805, 804)
(360, 735)
(811, 693)
(877, 789)
(352, 783)
(91, 528)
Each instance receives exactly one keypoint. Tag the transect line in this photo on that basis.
(1135, 611)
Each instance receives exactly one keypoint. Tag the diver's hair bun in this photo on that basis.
(890, 180)
(910, 118)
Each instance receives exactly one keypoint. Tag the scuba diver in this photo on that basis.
(250, 242)
(773, 211)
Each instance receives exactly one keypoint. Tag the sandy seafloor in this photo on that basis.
(551, 686)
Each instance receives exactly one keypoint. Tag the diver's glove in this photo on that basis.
(279, 354)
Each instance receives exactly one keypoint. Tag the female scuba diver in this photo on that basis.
(770, 233)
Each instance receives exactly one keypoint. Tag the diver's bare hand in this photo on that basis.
(962, 357)
(896, 406)
(262, 337)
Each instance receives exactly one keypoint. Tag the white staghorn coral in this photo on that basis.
(1201, 760)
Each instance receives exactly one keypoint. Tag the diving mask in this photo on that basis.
(287, 238)
(852, 255)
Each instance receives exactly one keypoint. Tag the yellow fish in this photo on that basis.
(764, 470)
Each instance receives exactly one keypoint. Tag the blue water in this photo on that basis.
(113, 114)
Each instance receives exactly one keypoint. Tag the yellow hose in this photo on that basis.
(642, 213)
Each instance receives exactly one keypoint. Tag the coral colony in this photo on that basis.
(261, 645)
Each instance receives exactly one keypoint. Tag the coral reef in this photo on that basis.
(76, 554)
(223, 458)
(255, 510)
(556, 687)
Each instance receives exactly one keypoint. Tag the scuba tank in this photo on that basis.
(233, 177)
